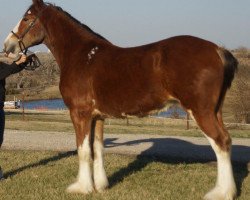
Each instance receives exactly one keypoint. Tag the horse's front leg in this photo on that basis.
(100, 178)
(82, 124)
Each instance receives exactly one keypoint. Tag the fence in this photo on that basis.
(181, 124)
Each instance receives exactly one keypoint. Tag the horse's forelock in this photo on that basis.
(36, 6)
(28, 10)
(33, 8)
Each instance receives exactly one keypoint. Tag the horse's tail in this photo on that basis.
(230, 68)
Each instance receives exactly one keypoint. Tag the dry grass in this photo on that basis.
(60, 121)
(45, 175)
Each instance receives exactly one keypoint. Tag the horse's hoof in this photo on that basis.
(81, 188)
(100, 186)
(219, 194)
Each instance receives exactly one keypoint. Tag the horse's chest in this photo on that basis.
(74, 89)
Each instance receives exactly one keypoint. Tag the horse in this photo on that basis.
(99, 79)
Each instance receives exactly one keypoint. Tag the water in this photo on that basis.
(176, 112)
(58, 104)
(53, 104)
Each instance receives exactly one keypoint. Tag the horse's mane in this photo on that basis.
(73, 19)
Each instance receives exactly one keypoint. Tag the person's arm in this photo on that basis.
(15, 67)
(6, 69)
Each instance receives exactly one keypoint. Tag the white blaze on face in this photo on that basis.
(11, 42)
(15, 30)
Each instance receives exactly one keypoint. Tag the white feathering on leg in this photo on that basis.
(100, 177)
(225, 188)
(84, 183)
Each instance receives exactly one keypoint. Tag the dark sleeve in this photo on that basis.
(6, 69)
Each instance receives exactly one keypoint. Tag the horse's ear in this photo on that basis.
(38, 2)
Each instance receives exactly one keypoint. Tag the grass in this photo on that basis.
(45, 175)
(60, 121)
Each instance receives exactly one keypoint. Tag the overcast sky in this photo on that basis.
(137, 22)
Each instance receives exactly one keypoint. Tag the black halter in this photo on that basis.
(33, 61)
(20, 38)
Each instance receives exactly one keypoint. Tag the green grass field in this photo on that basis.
(45, 175)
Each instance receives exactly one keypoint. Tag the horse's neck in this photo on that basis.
(65, 37)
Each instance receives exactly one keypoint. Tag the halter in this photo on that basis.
(33, 61)
(20, 38)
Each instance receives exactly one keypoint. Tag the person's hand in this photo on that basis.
(22, 59)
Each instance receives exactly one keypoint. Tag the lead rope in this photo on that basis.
(32, 62)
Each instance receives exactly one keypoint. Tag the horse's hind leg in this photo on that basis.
(82, 124)
(100, 178)
(220, 141)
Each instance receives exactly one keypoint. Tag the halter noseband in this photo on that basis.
(33, 61)
(20, 38)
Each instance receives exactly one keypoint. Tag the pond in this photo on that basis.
(58, 104)
(52, 104)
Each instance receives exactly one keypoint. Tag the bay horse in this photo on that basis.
(99, 79)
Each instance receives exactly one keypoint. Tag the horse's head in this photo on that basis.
(28, 32)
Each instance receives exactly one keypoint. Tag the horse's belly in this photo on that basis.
(133, 107)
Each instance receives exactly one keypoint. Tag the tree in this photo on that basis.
(241, 97)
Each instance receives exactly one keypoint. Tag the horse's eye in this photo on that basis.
(25, 19)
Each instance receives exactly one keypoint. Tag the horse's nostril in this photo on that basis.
(6, 46)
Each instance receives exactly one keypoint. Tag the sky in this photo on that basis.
(137, 22)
